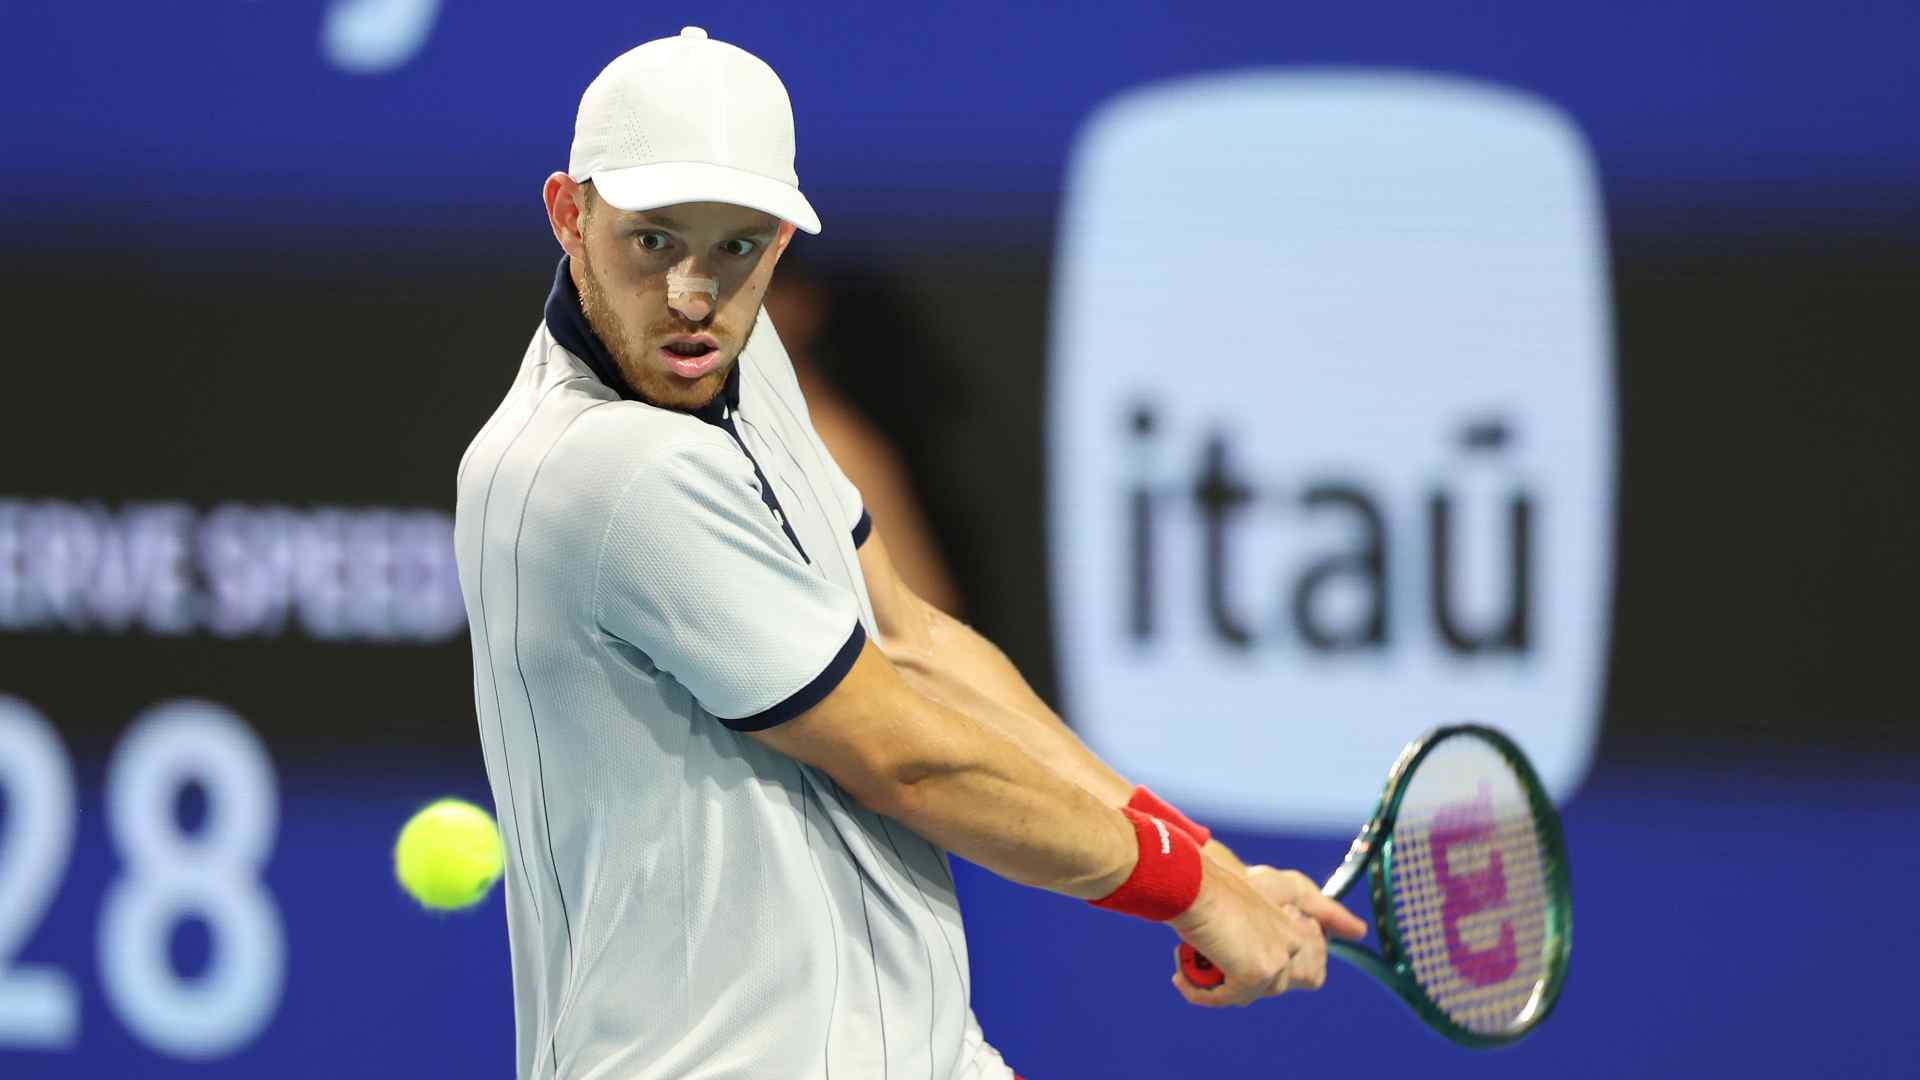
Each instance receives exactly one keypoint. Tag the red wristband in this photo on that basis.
(1165, 878)
(1148, 803)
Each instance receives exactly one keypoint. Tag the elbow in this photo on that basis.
(872, 792)
(906, 633)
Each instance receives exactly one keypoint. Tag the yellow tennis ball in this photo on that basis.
(448, 855)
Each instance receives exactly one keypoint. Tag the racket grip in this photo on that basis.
(1198, 969)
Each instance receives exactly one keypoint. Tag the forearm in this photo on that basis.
(947, 661)
(958, 782)
(955, 665)
(986, 798)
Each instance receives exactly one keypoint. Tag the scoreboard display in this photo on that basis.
(169, 874)
(233, 659)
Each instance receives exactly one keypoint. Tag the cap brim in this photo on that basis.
(649, 187)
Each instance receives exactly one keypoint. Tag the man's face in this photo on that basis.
(674, 292)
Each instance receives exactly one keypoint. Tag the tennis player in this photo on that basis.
(729, 750)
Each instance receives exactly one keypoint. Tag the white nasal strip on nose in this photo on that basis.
(682, 286)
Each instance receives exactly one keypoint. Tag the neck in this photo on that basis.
(567, 322)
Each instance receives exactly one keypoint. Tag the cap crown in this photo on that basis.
(685, 99)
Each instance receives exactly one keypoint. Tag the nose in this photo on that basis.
(690, 293)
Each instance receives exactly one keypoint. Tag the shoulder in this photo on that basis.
(575, 449)
(626, 458)
(630, 436)
(765, 359)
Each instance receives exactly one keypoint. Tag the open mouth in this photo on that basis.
(691, 357)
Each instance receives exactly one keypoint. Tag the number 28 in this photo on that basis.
(170, 874)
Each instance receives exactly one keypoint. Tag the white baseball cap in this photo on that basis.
(688, 119)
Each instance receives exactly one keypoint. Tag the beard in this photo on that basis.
(634, 351)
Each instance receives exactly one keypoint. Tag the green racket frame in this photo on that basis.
(1372, 851)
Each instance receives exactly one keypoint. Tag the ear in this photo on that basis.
(564, 201)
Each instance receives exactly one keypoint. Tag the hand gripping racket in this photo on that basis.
(1468, 876)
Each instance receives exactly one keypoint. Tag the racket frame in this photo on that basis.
(1372, 851)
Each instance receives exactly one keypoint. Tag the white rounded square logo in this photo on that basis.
(1332, 436)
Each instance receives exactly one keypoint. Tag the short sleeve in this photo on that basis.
(776, 367)
(844, 491)
(695, 572)
(849, 496)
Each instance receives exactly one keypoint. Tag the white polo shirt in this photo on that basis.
(643, 586)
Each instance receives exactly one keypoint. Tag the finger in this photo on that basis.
(1333, 916)
(1235, 991)
(1307, 925)
(1244, 994)
(1292, 888)
(1302, 924)
(1284, 979)
(1308, 969)
(1279, 984)
(1195, 995)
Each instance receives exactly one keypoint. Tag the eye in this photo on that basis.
(739, 248)
(654, 241)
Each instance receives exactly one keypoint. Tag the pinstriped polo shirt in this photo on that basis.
(644, 586)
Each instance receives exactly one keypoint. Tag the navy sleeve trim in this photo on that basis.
(862, 528)
(811, 694)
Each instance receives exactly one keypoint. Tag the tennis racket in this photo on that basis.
(1468, 876)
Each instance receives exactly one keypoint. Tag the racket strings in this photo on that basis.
(1470, 904)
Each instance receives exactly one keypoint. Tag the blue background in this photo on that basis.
(1730, 921)
(1716, 114)
(229, 214)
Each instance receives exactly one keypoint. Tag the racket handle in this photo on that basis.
(1198, 969)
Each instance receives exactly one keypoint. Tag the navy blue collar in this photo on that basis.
(567, 322)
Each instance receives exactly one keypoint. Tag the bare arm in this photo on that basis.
(959, 783)
(948, 661)
(974, 791)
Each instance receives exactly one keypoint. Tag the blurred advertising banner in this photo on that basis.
(1331, 435)
(249, 118)
(234, 571)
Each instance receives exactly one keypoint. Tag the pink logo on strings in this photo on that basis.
(1466, 894)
